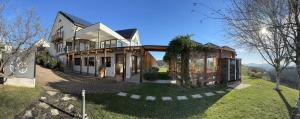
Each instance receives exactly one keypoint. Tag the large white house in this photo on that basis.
(83, 46)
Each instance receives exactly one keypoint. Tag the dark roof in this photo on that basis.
(127, 33)
(76, 20)
(212, 45)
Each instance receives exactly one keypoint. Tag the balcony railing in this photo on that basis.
(57, 36)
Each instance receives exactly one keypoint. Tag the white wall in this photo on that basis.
(128, 65)
(110, 71)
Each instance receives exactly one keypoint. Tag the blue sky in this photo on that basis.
(158, 21)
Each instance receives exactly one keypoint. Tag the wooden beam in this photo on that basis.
(141, 65)
(124, 65)
(104, 63)
(95, 63)
(87, 63)
(205, 65)
(80, 63)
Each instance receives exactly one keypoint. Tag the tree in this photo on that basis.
(18, 36)
(254, 23)
(179, 50)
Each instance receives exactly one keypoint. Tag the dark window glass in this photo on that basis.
(108, 61)
(85, 61)
(91, 61)
(77, 61)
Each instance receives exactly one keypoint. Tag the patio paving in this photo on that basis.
(122, 94)
(181, 98)
(133, 96)
(209, 94)
(151, 98)
(74, 83)
(166, 98)
(196, 96)
(220, 92)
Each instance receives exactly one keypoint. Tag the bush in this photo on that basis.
(53, 64)
(151, 74)
(45, 59)
(255, 74)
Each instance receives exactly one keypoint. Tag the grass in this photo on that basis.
(163, 74)
(14, 100)
(257, 101)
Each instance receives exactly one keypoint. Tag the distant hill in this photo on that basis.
(289, 77)
(266, 67)
(161, 63)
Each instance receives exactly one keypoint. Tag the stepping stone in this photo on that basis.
(229, 89)
(196, 96)
(166, 98)
(151, 98)
(133, 96)
(70, 107)
(51, 93)
(43, 105)
(54, 112)
(28, 114)
(43, 98)
(182, 98)
(209, 94)
(122, 94)
(66, 98)
(220, 92)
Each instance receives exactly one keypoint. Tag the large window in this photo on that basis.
(108, 61)
(91, 61)
(211, 65)
(107, 44)
(85, 61)
(197, 66)
(59, 47)
(77, 61)
(119, 44)
(102, 44)
(113, 43)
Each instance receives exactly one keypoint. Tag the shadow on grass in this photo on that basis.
(152, 109)
(288, 106)
(102, 100)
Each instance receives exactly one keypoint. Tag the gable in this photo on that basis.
(62, 22)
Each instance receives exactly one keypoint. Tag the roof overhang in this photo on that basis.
(99, 32)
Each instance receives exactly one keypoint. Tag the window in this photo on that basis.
(211, 64)
(85, 61)
(113, 43)
(108, 61)
(93, 45)
(60, 31)
(91, 61)
(77, 61)
(107, 44)
(59, 47)
(119, 44)
(102, 44)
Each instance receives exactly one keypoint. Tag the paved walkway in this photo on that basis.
(73, 83)
(169, 98)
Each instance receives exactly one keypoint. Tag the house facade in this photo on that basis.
(88, 48)
(83, 47)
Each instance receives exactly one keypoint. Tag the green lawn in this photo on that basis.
(14, 100)
(163, 74)
(257, 101)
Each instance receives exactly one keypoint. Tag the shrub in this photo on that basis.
(151, 74)
(54, 63)
(255, 74)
